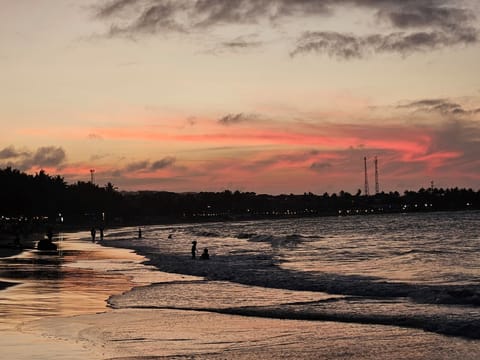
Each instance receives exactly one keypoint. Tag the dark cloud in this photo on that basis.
(153, 16)
(426, 14)
(146, 165)
(425, 103)
(416, 25)
(114, 7)
(142, 16)
(320, 166)
(232, 119)
(296, 158)
(47, 156)
(163, 163)
(349, 46)
(205, 13)
(240, 43)
(335, 44)
(137, 166)
(443, 106)
(10, 152)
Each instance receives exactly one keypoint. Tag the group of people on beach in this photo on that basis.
(93, 233)
(205, 255)
(47, 244)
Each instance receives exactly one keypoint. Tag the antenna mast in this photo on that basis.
(367, 191)
(92, 176)
(377, 185)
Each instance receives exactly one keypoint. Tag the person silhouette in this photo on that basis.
(205, 255)
(50, 234)
(101, 233)
(93, 232)
(194, 249)
(46, 244)
(139, 233)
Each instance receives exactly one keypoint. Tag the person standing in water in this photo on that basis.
(194, 249)
(93, 232)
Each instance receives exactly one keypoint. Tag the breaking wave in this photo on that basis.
(372, 273)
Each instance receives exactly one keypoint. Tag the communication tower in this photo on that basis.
(367, 191)
(92, 176)
(377, 184)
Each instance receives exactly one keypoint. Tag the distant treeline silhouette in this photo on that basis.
(50, 198)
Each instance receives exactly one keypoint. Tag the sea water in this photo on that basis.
(413, 270)
(398, 283)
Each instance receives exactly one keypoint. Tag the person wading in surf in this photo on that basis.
(194, 249)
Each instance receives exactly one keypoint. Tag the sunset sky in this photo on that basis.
(270, 96)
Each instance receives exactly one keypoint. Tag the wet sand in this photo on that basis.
(59, 311)
(175, 334)
(9, 248)
(36, 285)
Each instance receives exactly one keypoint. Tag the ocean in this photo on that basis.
(376, 286)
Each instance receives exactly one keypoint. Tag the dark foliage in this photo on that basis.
(50, 197)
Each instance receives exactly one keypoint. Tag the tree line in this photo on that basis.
(52, 199)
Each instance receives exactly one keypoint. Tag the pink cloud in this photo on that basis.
(299, 155)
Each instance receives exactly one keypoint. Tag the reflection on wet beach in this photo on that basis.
(77, 279)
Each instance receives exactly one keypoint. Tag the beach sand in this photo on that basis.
(59, 311)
